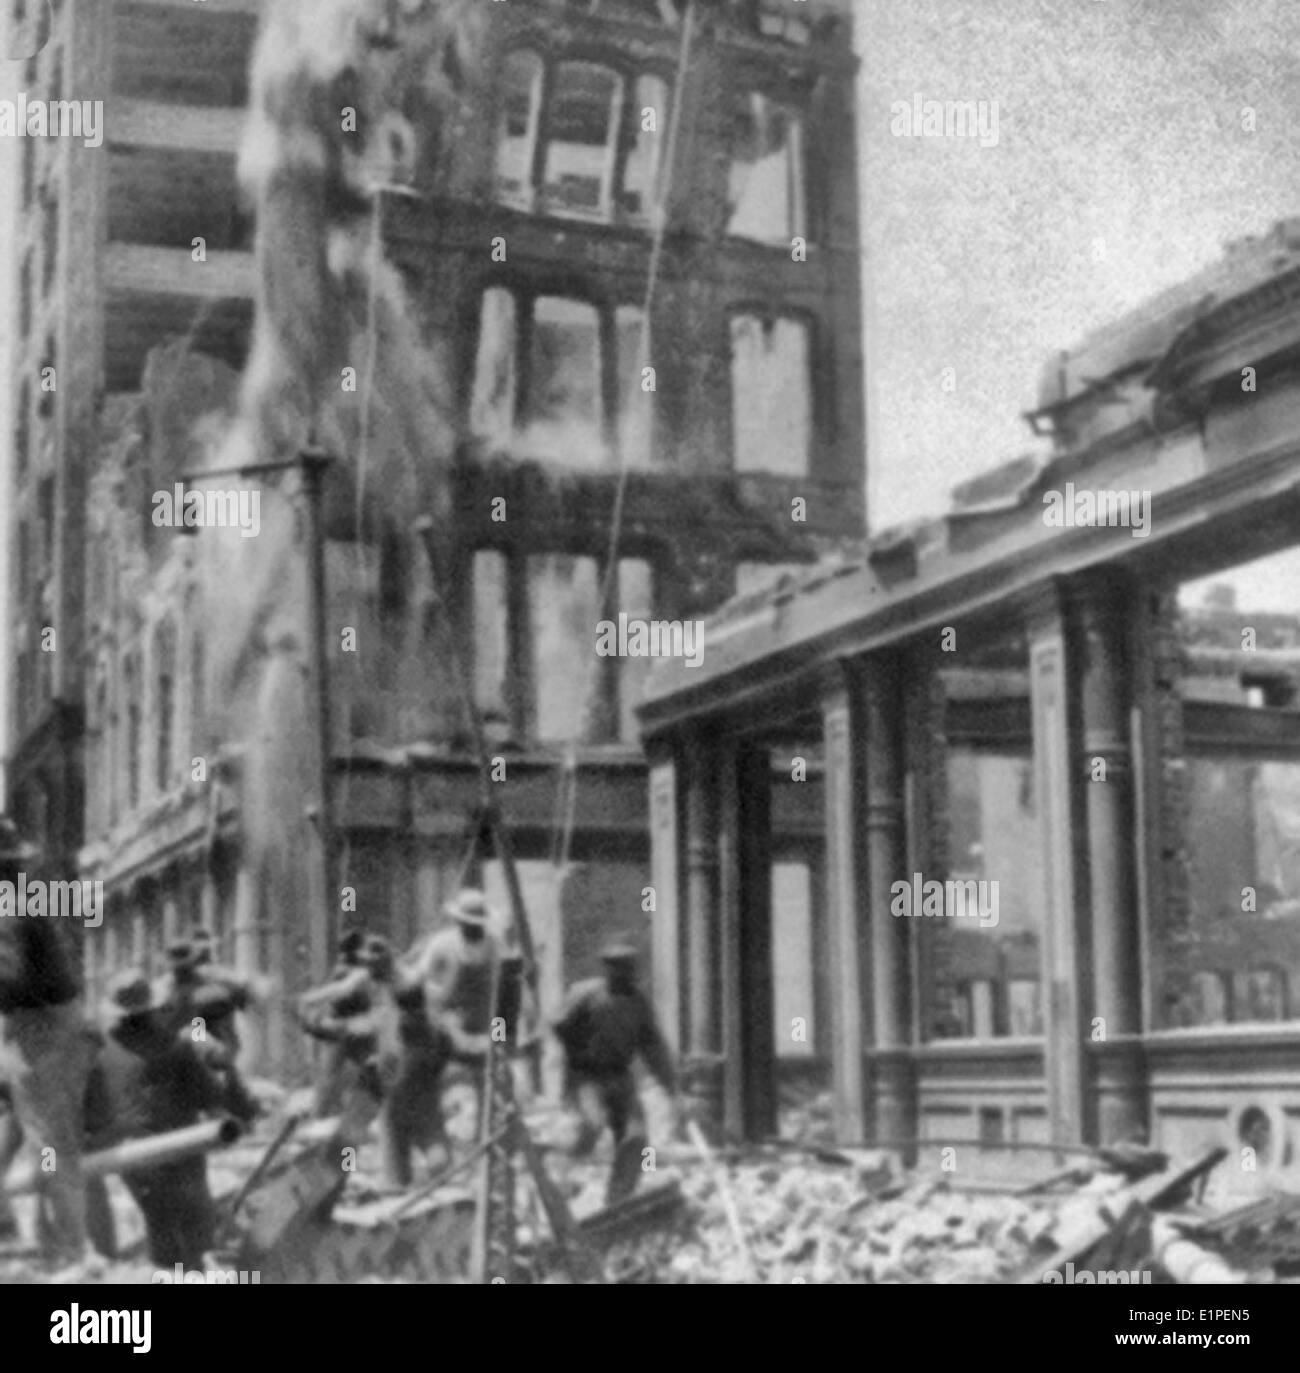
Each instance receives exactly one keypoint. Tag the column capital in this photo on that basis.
(1099, 594)
(1043, 608)
(840, 677)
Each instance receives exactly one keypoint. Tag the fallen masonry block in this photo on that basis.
(1185, 1261)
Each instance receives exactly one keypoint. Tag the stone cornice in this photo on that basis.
(1242, 509)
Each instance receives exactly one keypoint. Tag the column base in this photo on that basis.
(892, 1101)
(1119, 1090)
(701, 1079)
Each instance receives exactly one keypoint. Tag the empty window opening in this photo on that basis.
(649, 125)
(792, 960)
(634, 398)
(634, 598)
(565, 598)
(491, 640)
(766, 180)
(517, 132)
(582, 134)
(552, 377)
(563, 406)
(579, 139)
(771, 400)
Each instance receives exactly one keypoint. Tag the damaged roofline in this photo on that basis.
(761, 655)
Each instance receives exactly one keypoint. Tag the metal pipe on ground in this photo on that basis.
(153, 1151)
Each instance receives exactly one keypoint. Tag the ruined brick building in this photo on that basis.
(526, 250)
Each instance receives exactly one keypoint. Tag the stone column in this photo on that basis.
(665, 867)
(745, 904)
(1057, 742)
(1101, 610)
(702, 1065)
(846, 904)
(893, 1089)
(210, 902)
(819, 951)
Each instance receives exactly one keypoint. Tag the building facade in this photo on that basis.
(692, 371)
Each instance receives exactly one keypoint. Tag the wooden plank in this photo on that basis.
(1162, 1190)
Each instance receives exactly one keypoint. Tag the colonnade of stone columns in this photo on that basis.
(711, 844)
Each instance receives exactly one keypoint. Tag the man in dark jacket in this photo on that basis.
(606, 1024)
(196, 990)
(412, 1113)
(355, 1013)
(46, 1049)
(149, 1079)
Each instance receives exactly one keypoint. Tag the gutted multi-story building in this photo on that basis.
(635, 252)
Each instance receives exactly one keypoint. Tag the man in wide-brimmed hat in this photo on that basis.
(46, 1049)
(151, 1078)
(458, 966)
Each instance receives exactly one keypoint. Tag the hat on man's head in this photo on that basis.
(184, 954)
(470, 907)
(374, 950)
(618, 953)
(130, 993)
(350, 944)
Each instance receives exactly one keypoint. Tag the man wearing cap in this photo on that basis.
(356, 1014)
(606, 1024)
(46, 1049)
(149, 1079)
(195, 991)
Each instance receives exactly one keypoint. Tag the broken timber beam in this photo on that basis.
(1164, 1189)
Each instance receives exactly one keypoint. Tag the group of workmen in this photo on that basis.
(163, 1055)
(395, 1028)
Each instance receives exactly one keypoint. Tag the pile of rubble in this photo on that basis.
(814, 1213)
(813, 1222)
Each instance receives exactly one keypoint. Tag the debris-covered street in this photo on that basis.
(802, 1210)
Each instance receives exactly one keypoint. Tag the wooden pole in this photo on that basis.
(322, 910)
